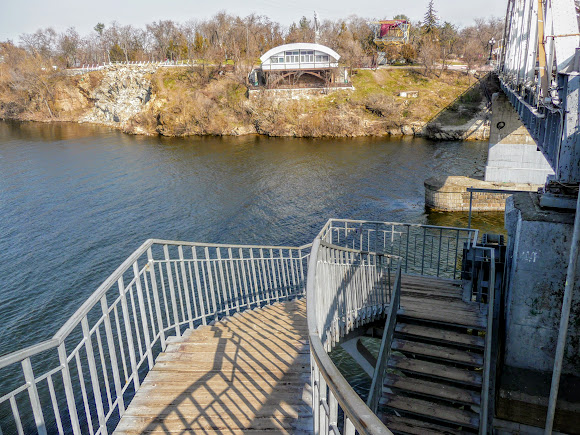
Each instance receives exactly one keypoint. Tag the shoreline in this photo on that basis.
(476, 130)
(174, 102)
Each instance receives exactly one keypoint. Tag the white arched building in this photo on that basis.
(299, 65)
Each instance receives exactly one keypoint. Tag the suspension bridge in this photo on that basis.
(205, 338)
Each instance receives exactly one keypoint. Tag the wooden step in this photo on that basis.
(432, 289)
(413, 293)
(441, 335)
(433, 411)
(432, 389)
(437, 371)
(442, 312)
(433, 280)
(404, 425)
(438, 352)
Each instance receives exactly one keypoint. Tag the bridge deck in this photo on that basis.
(248, 374)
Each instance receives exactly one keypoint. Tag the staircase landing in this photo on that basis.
(247, 374)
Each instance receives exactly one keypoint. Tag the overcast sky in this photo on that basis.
(26, 16)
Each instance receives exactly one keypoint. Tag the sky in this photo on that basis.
(26, 16)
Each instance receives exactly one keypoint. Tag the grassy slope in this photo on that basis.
(190, 101)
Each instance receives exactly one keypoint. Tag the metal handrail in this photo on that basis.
(344, 291)
(425, 249)
(485, 390)
(105, 348)
(386, 342)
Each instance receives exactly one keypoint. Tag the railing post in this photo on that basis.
(423, 254)
(439, 253)
(210, 279)
(202, 304)
(112, 355)
(68, 390)
(470, 204)
(315, 396)
(322, 404)
(456, 253)
(143, 313)
(185, 287)
(155, 291)
(33, 395)
(93, 374)
(129, 334)
(407, 249)
(171, 290)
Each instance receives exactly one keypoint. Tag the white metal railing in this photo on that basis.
(425, 249)
(346, 289)
(81, 380)
(486, 257)
(376, 389)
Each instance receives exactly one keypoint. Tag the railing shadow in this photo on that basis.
(245, 378)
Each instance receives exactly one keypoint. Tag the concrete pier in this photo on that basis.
(450, 193)
(513, 155)
(539, 245)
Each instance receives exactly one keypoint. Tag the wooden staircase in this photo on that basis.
(434, 376)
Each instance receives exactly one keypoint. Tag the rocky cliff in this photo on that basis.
(121, 95)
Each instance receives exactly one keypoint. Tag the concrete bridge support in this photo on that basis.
(513, 154)
(537, 257)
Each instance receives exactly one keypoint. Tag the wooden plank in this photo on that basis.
(447, 313)
(456, 305)
(249, 373)
(220, 384)
(210, 423)
(161, 377)
(435, 288)
(417, 427)
(231, 346)
(438, 371)
(438, 352)
(241, 356)
(432, 410)
(430, 280)
(433, 390)
(441, 335)
(230, 431)
(233, 406)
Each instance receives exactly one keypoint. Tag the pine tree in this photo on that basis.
(430, 21)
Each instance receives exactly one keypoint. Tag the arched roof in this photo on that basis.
(299, 46)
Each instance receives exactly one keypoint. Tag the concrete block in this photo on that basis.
(539, 246)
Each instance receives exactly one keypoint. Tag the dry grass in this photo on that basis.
(204, 101)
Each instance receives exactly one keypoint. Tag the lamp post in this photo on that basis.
(491, 44)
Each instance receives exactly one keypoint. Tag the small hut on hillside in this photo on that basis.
(299, 65)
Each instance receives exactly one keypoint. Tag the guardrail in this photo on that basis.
(401, 243)
(425, 249)
(82, 379)
(346, 288)
(486, 257)
(376, 389)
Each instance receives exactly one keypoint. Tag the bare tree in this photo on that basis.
(43, 42)
(69, 44)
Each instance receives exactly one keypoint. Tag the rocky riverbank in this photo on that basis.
(182, 101)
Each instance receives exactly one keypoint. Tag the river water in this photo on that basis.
(76, 200)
